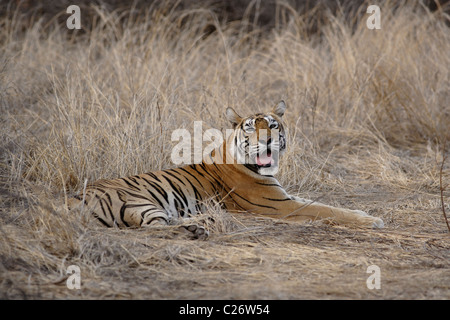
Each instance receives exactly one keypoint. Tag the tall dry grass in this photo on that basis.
(368, 116)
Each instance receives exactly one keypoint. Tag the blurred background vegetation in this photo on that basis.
(262, 13)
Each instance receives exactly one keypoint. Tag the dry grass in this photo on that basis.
(369, 112)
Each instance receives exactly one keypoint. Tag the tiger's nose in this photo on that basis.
(266, 141)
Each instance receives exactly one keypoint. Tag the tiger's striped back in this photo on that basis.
(149, 198)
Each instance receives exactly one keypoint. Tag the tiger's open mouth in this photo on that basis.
(265, 159)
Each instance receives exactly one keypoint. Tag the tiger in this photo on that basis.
(244, 185)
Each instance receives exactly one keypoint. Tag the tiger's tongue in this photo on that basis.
(264, 160)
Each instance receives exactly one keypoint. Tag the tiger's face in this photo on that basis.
(259, 140)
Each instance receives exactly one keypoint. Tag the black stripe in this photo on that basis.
(101, 205)
(219, 183)
(172, 175)
(252, 167)
(269, 184)
(152, 175)
(148, 210)
(101, 220)
(130, 184)
(198, 197)
(197, 194)
(122, 214)
(134, 179)
(202, 165)
(190, 175)
(109, 198)
(270, 199)
(156, 198)
(156, 187)
(148, 182)
(137, 205)
(255, 204)
(210, 182)
(154, 218)
(160, 190)
(97, 188)
(110, 210)
(178, 190)
(194, 167)
(178, 206)
(136, 195)
(192, 185)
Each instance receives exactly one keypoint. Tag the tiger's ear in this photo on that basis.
(280, 108)
(233, 117)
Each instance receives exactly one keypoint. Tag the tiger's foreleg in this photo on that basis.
(302, 210)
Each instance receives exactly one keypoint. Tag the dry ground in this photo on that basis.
(368, 113)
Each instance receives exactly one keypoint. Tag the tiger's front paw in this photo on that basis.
(369, 221)
(377, 223)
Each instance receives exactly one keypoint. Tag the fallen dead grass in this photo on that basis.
(368, 116)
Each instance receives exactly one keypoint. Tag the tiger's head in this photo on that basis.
(258, 140)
